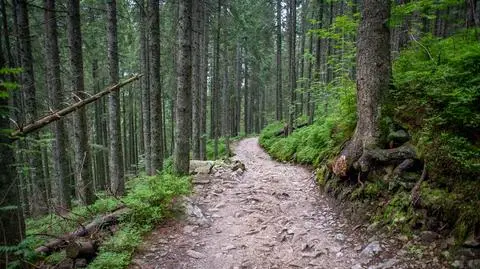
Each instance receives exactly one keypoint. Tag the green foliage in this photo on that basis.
(111, 260)
(436, 94)
(149, 200)
(150, 197)
(317, 143)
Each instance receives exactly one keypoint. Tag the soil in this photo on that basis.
(272, 216)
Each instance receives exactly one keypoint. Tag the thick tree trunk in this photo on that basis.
(156, 103)
(373, 77)
(83, 175)
(117, 183)
(38, 200)
(55, 93)
(183, 126)
(12, 225)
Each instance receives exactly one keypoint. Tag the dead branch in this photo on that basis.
(63, 112)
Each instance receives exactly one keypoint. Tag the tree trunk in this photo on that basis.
(144, 67)
(373, 77)
(60, 153)
(472, 17)
(215, 115)
(117, 183)
(38, 200)
(155, 89)
(83, 175)
(196, 81)
(183, 126)
(292, 77)
(204, 84)
(100, 161)
(279, 93)
(12, 225)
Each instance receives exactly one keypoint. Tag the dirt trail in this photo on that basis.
(272, 216)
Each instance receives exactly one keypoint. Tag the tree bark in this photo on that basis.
(204, 86)
(38, 200)
(83, 175)
(144, 67)
(278, 92)
(56, 96)
(183, 126)
(12, 225)
(292, 77)
(156, 128)
(373, 77)
(196, 81)
(117, 183)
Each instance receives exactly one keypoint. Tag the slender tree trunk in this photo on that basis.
(279, 93)
(238, 87)
(292, 62)
(117, 183)
(55, 92)
(215, 117)
(144, 67)
(155, 89)
(246, 97)
(196, 81)
(204, 84)
(83, 175)
(38, 200)
(100, 161)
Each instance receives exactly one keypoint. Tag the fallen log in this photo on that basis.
(87, 230)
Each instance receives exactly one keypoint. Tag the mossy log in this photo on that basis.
(87, 230)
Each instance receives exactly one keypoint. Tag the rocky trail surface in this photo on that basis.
(271, 215)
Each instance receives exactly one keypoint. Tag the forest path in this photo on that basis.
(272, 216)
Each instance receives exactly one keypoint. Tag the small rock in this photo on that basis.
(195, 254)
(340, 237)
(339, 254)
(357, 266)
(371, 249)
(429, 236)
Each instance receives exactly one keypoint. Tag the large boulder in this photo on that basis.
(201, 167)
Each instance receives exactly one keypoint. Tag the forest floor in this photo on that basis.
(272, 216)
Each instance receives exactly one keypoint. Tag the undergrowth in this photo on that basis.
(149, 200)
(435, 96)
